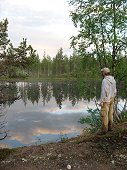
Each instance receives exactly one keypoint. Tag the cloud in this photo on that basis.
(46, 24)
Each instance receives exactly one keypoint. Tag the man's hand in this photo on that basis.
(100, 104)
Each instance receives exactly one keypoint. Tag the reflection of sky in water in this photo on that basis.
(33, 123)
(40, 123)
(121, 104)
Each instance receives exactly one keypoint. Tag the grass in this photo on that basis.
(4, 153)
(118, 133)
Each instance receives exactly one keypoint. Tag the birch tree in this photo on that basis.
(101, 28)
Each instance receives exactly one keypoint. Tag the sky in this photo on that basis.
(45, 23)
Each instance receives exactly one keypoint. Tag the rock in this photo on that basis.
(113, 161)
(24, 160)
(59, 156)
(68, 166)
(49, 154)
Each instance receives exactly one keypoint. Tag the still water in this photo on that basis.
(40, 112)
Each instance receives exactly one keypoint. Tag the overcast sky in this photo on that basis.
(45, 23)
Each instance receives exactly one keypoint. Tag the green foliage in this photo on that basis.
(124, 116)
(4, 41)
(46, 65)
(93, 119)
(102, 30)
(59, 66)
(121, 70)
(3, 36)
(11, 58)
(4, 153)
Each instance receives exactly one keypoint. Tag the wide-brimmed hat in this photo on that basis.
(105, 70)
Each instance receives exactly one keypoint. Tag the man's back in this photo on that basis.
(108, 89)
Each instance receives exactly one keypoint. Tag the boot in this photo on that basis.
(110, 127)
(101, 132)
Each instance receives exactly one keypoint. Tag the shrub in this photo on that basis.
(93, 119)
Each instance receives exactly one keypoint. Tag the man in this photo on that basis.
(108, 93)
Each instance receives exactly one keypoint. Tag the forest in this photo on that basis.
(101, 42)
(24, 61)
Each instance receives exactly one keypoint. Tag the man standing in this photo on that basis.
(108, 93)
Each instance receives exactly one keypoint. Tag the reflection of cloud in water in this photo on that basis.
(25, 123)
(30, 137)
(17, 137)
(26, 136)
(67, 108)
(21, 120)
(38, 123)
(80, 107)
(48, 131)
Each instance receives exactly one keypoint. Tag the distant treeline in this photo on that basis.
(23, 61)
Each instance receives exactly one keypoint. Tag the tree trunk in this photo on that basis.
(114, 40)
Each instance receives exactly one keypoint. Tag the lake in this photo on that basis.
(47, 111)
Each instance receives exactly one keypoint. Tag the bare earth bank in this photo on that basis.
(86, 152)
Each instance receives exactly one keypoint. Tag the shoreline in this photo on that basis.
(86, 152)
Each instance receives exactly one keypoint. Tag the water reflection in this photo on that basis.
(42, 110)
(8, 93)
(61, 91)
(3, 122)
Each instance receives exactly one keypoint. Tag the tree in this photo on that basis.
(10, 62)
(75, 64)
(20, 59)
(46, 65)
(16, 61)
(102, 30)
(21, 53)
(33, 62)
(58, 61)
(4, 41)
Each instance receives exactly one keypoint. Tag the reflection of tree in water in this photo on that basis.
(23, 88)
(46, 92)
(29, 92)
(60, 92)
(8, 93)
(3, 132)
(33, 92)
(91, 90)
(74, 91)
(82, 90)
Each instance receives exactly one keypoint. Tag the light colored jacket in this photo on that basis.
(108, 89)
